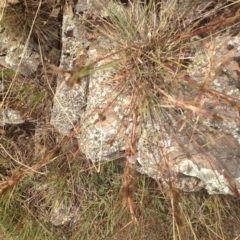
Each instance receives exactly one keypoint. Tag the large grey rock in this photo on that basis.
(198, 147)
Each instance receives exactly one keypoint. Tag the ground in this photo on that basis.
(50, 190)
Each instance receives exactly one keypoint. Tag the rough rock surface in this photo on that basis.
(7, 115)
(11, 56)
(209, 159)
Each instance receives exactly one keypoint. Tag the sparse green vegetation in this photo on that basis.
(49, 190)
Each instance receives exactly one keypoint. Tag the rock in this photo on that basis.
(69, 103)
(10, 116)
(13, 56)
(7, 115)
(194, 144)
(61, 214)
(20, 51)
